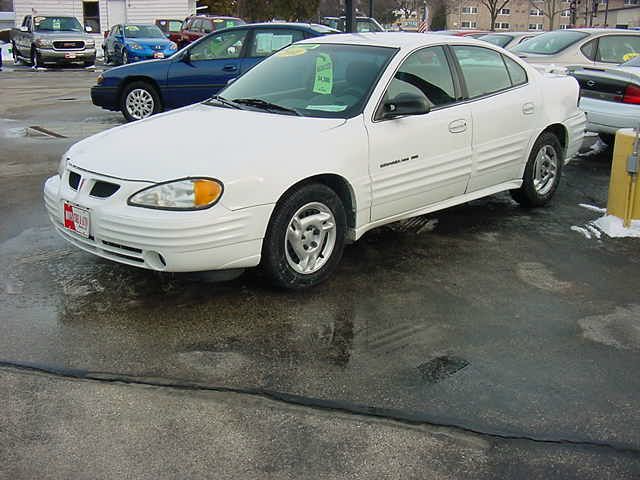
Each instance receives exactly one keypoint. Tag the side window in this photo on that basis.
(618, 48)
(221, 46)
(516, 72)
(196, 25)
(483, 70)
(265, 42)
(207, 26)
(426, 73)
(589, 49)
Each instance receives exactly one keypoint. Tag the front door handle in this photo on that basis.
(458, 126)
(230, 68)
(528, 108)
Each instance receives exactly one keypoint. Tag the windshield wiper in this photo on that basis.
(223, 101)
(263, 104)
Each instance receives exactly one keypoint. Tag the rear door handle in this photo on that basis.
(458, 126)
(230, 68)
(528, 108)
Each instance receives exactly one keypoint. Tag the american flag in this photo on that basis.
(423, 27)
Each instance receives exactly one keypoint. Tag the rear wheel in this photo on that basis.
(14, 52)
(35, 58)
(542, 172)
(139, 100)
(305, 239)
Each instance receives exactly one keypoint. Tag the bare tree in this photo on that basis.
(494, 7)
(550, 9)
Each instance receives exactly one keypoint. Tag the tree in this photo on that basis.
(494, 7)
(550, 9)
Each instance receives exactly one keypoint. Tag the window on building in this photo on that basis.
(469, 10)
(501, 26)
(505, 11)
(632, 2)
(564, 27)
(91, 15)
(536, 26)
(565, 13)
(469, 24)
(534, 12)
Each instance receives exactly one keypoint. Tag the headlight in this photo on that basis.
(173, 46)
(90, 43)
(62, 166)
(135, 46)
(184, 194)
(44, 43)
(100, 80)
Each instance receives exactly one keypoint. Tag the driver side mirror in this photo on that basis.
(186, 56)
(405, 104)
(88, 29)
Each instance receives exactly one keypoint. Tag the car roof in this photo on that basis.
(213, 16)
(595, 31)
(403, 40)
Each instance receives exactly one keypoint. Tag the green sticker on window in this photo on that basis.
(324, 75)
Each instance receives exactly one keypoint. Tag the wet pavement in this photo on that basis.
(498, 321)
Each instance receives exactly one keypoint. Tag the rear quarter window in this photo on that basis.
(483, 70)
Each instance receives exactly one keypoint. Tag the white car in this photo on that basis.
(313, 147)
(585, 47)
(508, 40)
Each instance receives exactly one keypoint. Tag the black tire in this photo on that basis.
(89, 64)
(14, 51)
(274, 257)
(36, 60)
(124, 57)
(140, 85)
(528, 195)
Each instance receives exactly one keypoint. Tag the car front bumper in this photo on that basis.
(140, 55)
(105, 97)
(608, 117)
(68, 56)
(211, 239)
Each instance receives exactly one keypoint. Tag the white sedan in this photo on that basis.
(315, 146)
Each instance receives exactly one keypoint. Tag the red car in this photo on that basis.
(172, 28)
(197, 26)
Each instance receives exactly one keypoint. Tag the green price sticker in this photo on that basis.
(324, 75)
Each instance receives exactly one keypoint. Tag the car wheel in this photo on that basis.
(305, 238)
(124, 57)
(542, 172)
(35, 58)
(14, 52)
(139, 100)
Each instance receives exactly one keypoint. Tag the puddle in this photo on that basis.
(441, 368)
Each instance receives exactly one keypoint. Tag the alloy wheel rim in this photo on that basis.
(139, 103)
(545, 169)
(310, 238)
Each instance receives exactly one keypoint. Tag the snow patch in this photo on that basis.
(612, 226)
(593, 208)
(583, 231)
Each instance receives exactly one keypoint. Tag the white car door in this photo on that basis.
(415, 161)
(504, 107)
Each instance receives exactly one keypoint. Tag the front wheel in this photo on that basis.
(14, 53)
(305, 239)
(35, 58)
(139, 100)
(124, 57)
(542, 172)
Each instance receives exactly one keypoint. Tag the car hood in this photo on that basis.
(149, 42)
(59, 34)
(199, 140)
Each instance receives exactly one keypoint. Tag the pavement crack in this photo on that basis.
(339, 406)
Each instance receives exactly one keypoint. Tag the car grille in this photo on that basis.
(68, 45)
(158, 47)
(99, 189)
(74, 180)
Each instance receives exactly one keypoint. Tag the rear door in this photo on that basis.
(212, 62)
(263, 42)
(504, 107)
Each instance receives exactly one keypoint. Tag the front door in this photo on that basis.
(207, 68)
(419, 160)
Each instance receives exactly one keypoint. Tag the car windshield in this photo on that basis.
(57, 24)
(143, 31)
(550, 43)
(634, 62)
(221, 23)
(314, 80)
(499, 40)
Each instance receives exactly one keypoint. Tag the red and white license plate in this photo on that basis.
(69, 55)
(158, 55)
(76, 219)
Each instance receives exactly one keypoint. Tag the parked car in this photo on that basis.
(601, 47)
(171, 28)
(128, 43)
(318, 144)
(43, 40)
(197, 26)
(197, 72)
(363, 24)
(507, 40)
(610, 96)
(462, 33)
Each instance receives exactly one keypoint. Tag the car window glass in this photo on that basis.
(196, 25)
(425, 73)
(207, 26)
(618, 48)
(483, 70)
(589, 49)
(516, 72)
(223, 45)
(265, 42)
(551, 42)
(175, 25)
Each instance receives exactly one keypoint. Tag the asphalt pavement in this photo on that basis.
(483, 341)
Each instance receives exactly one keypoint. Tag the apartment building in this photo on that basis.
(524, 15)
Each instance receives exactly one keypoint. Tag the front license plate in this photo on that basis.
(69, 55)
(76, 219)
(158, 55)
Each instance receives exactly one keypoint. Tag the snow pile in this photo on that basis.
(612, 227)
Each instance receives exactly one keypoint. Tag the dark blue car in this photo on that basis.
(131, 43)
(196, 72)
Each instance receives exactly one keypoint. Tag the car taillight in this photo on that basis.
(631, 94)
